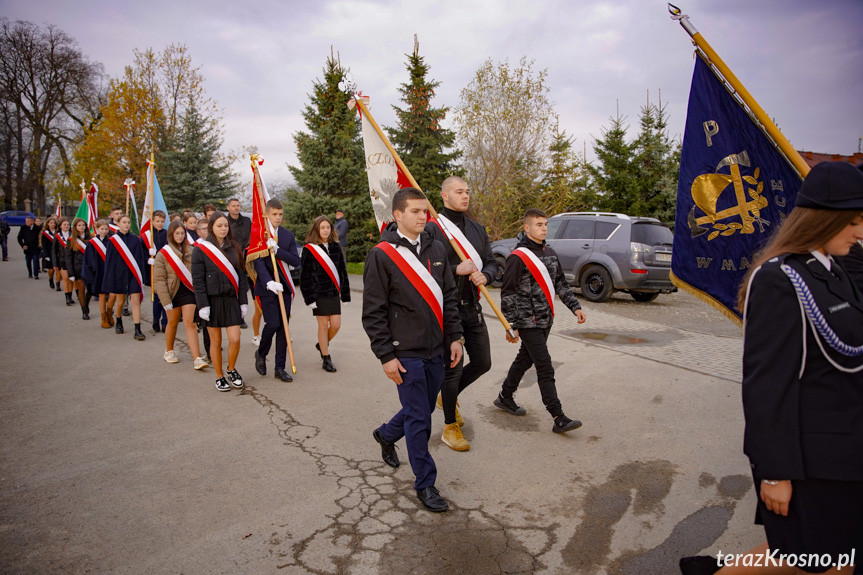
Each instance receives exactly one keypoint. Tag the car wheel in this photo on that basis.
(644, 296)
(498, 279)
(596, 284)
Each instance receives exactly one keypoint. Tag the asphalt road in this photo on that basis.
(115, 462)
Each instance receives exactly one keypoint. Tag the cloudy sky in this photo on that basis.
(803, 61)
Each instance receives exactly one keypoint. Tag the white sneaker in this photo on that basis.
(171, 357)
(256, 339)
(201, 363)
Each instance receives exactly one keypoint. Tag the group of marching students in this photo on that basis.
(200, 275)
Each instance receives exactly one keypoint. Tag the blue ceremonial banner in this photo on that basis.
(734, 189)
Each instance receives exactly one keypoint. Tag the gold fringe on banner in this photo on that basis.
(706, 298)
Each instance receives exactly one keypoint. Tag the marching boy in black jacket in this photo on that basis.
(531, 277)
(410, 316)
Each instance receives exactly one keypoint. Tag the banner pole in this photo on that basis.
(431, 209)
(779, 138)
(152, 169)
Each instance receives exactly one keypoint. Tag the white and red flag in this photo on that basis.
(385, 175)
(153, 201)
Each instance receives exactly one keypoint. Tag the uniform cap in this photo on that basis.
(832, 186)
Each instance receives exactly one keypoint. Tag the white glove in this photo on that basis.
(153, 252)
(204, 313)
(71, 278)
(151, 262)
(313, 305)
(271, 243)
(168, 306)
(275, 286)
(243, 309)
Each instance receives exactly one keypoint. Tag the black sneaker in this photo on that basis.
(235, 378)
(431, 499)
(222, 384)
(244, 325)
(508, 405)
(562, 424)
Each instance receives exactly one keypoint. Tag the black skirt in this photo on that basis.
(824, 517)
(184, 296)
(328, 306)
(224, 311)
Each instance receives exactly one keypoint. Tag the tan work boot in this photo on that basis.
(458, 418)
(454, 438)
(105, 323)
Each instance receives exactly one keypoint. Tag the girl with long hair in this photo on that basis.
(324, 284)
(61, 240)
(46, 243)
(172, 280)
(126, 272)
(219, 279)
(803, 381)
(75, 249)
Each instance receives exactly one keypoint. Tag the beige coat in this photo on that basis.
(165, 279)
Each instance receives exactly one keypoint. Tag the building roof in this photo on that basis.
(813, 158)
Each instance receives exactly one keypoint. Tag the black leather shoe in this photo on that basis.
(51, 283)
(69, 299)
(318, 347)
(126, 311)
(156, 327)
(139, 335)
(431, 499)
(388, 450)
(118, 324)
(261, 364)
(282, 374)
(327, 364)
(699, 565)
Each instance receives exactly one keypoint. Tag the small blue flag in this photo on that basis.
(734, 189)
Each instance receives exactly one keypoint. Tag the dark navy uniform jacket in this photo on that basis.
(802, 400)
(118, 277)
(287, 252)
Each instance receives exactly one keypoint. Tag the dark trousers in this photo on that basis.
(31, 257)
(534, 351)
(477, 346)
(4, 244)
(272, 314)
(159, 313)
(417, 394)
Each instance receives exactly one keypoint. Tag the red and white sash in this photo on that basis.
(148, 240)
(218, 258)
(100, 247)
(418, 276)
(324, 259)
(48, 235)
(285, 272)
(189, 239)
(539, 272)
(453, 233)
(81, 245)
(178, 266)
(127, 256)
(114, 226)
(59, 238)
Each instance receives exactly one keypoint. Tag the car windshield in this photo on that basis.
(651, 234)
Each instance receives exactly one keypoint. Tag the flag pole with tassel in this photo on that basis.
(152, 169)
(359, 102)
(259, 186)
(740, 90)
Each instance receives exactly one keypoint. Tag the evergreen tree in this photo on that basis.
(565, 185)
(192, 172)
(419, 138)
(656, 165)
(331, 151)
(613, 177)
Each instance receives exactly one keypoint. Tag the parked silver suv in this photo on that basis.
(605, 252)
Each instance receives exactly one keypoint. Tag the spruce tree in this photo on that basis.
(331, 151)
(656, 165)
(192, 172)
(613, 177)
(565, 185)
(418, 138)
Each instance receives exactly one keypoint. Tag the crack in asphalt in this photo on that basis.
(378, 528)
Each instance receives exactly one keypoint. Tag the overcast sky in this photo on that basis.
(802, 60)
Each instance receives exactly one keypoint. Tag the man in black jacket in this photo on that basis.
(4, 236)
(28, 238)
(473, 239)
(531, 277)
(410, 316)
